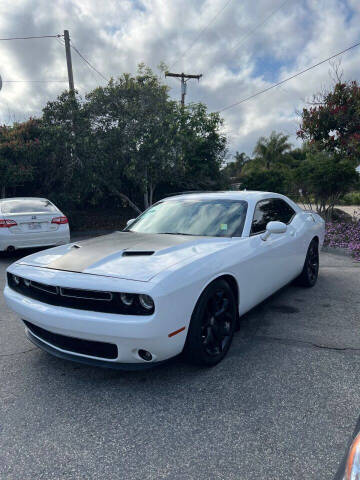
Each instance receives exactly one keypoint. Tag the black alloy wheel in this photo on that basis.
(212, 325)
(310, 272)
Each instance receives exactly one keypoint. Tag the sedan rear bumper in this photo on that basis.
(33, 240)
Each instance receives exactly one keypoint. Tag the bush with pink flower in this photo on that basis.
(344, 235)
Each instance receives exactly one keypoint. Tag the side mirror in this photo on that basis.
(129, 222)
(273, 227)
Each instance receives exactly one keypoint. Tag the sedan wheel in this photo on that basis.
(212, 325)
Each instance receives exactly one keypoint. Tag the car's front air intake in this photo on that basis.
(74, 345)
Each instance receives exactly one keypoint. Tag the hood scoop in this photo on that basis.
(139, 253)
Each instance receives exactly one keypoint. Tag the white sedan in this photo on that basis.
(177, 279)
(31, 222)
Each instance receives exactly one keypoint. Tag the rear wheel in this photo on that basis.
(309, 274)
(212, 325)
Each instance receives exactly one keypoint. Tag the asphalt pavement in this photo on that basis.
(282, 405)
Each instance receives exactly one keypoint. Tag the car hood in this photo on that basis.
(127, 255)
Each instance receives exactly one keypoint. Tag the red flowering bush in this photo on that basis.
(344, 235)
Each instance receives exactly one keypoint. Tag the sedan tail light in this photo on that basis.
(60, 220)
(6, 223)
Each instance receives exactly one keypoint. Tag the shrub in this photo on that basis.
(351, 198)
(344, 235)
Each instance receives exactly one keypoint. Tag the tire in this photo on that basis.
(212, 325)
(310, 272)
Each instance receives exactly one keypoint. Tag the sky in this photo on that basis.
(240, 47)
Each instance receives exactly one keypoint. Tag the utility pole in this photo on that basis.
(68, 60)
(184, 79)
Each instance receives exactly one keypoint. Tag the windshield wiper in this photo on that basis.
(178, 233)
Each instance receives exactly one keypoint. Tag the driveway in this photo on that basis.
(282, 405)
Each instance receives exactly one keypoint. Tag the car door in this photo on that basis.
(276, 258)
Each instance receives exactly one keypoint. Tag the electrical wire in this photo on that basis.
(31, 38)
(289, 78)
(266, 19)
(34, 81)
(182, 55)
(88, 63)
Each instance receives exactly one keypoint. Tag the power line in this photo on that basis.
(266, 19)
(34, 81)
(31, 38)
(88, 63)
(182, 55)
(289, 78)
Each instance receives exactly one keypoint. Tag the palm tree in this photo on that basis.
(270, 150)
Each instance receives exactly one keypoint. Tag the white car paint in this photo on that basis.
(22, 236)
(174, 278)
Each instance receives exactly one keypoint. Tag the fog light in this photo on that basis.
(145, 355)
(146, 302)
(27, 282)
(16, 280)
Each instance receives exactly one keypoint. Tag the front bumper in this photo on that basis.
(47, 347)
(129, 333)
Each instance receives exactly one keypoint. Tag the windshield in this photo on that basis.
(26, 205)
(213, 218)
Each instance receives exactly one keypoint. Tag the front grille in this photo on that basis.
(75, 345)
(93, 300)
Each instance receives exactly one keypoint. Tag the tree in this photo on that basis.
(273, 180)
(132, 118)
(324, 179)
(126, 143)
(19, 148)
(200, 148)
(332, 122)
(235, 168)
(271, 150)
(68, 146)
(144, 139)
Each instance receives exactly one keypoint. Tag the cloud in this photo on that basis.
(236, 58)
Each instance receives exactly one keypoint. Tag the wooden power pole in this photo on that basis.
(68, 60)
(184, 79)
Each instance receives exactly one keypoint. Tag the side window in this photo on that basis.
(266, 211)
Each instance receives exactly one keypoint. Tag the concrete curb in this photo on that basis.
(336, 251)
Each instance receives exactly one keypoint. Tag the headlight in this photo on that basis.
(146, 302)
(127, 299)
(352, 471)
(124, 303)
(138, 304)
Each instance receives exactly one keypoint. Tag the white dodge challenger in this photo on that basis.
(177, 279)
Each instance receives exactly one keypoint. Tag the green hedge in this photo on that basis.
(83, 220)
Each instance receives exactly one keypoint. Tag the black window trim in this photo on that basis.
(264, 200)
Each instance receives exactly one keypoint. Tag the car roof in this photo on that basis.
(247, 195)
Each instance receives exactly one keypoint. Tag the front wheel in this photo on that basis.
(212, 325)
(310, 272)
